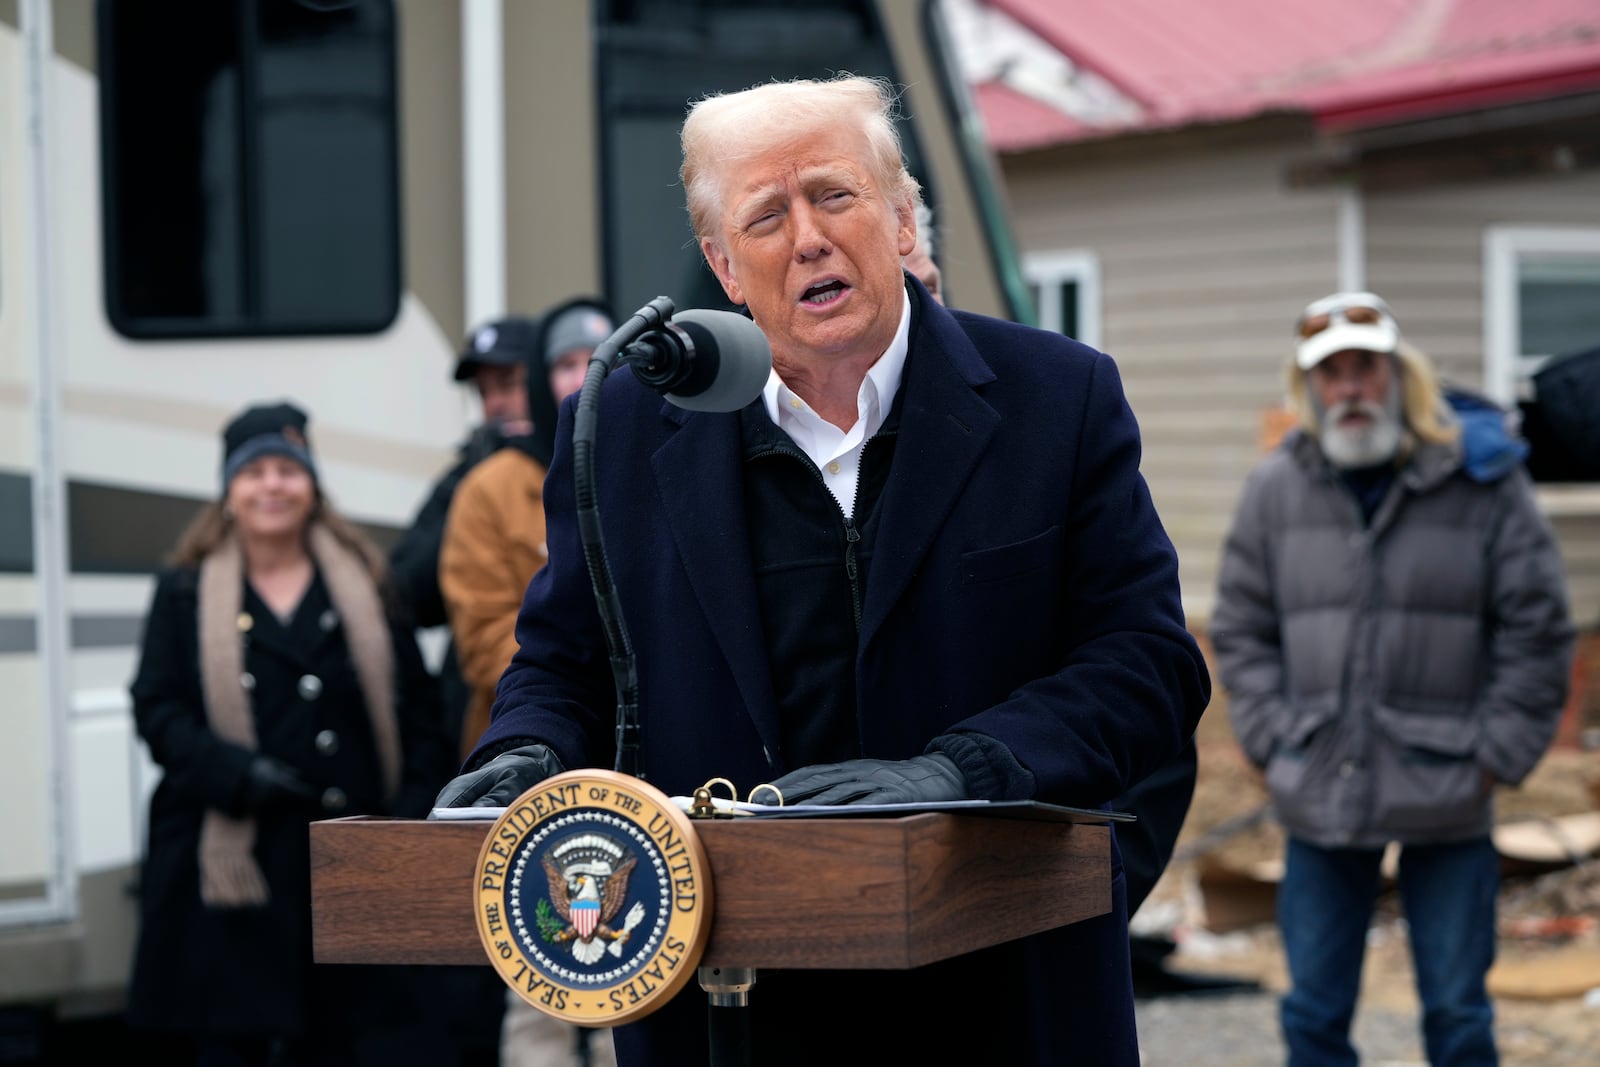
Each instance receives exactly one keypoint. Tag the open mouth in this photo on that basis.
(823, 293)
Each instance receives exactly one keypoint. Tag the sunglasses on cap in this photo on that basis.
(1362, 313)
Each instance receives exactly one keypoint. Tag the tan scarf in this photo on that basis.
(229, 874)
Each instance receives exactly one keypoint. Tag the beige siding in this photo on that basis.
(1425, 255)
(1205, 258)
(1579, 535)
(431, 148)
(550, 255)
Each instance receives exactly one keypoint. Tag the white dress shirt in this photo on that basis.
(836, 452)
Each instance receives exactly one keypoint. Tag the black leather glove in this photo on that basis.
(272, 782)
(919, 780)
(501, 780)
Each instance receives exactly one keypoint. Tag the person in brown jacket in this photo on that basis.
(494, 535)
(494, 542)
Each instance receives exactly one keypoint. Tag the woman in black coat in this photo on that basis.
(276, 686)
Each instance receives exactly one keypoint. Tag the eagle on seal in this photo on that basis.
(588, 897)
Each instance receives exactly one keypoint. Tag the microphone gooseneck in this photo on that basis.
(700, 359)
(585, 420)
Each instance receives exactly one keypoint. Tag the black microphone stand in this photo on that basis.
(624, 667)
(727, 988)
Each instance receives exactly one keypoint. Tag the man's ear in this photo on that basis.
(906, 216)
(722, 267)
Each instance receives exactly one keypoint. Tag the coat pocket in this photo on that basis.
(1039, 552)
(1425, 774)
(1302, 760)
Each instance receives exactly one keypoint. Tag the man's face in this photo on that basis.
(567, 373)
(1357, 399)
(811, 244)
(504, 392)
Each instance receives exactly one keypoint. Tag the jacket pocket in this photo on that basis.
(1008, 561)
(1018, 587)
(1306, 719)
(1425, 774)
(1302, 762)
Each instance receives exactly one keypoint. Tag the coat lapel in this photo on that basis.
(272, 636)
(944, 428)
(698, 471)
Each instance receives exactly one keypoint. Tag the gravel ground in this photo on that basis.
(1239, 1027)
(1241, 1030)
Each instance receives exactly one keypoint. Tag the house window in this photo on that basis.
(1541, 299)
(1065, 287)
(249, 166)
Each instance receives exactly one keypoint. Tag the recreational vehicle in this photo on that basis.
(205, 203)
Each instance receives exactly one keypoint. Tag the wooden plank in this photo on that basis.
(394, 891)
(792, 893)
(895, 893)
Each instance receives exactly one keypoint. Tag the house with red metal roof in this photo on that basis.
(1183, 177)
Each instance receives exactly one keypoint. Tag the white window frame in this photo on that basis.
(1505, 368)
(1048, 270)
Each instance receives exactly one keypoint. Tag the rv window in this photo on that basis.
(249, 166)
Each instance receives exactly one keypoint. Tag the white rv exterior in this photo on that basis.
(533, 163)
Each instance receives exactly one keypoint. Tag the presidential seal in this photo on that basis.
(593, 897)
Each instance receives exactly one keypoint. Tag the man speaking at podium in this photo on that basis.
(922, 566)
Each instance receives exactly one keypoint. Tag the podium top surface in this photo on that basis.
(999, 809)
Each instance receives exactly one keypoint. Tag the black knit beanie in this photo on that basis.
(265, 430)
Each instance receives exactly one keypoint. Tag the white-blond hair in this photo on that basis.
(732, 126)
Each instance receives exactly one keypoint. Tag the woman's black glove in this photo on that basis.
(501, 780)
(272, 782)
(926, 779)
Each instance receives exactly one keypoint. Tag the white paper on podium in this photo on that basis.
(466, 814)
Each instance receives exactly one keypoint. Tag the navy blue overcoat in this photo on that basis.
(1022, 586)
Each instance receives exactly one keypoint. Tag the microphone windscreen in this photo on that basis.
(732, 360)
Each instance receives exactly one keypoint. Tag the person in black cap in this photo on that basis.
(278, 683)
(493, 359)
(494, 542)
(494, 536)
(495, 362)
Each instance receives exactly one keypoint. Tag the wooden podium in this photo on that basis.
(882, 893)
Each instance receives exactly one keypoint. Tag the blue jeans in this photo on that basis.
(1325, 906)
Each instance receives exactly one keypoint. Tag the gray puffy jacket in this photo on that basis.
(1377, 672)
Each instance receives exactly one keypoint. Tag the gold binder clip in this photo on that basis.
(702, 806)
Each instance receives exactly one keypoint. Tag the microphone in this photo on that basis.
(703, 360)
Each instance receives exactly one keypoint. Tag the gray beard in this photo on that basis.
(1366, 446)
